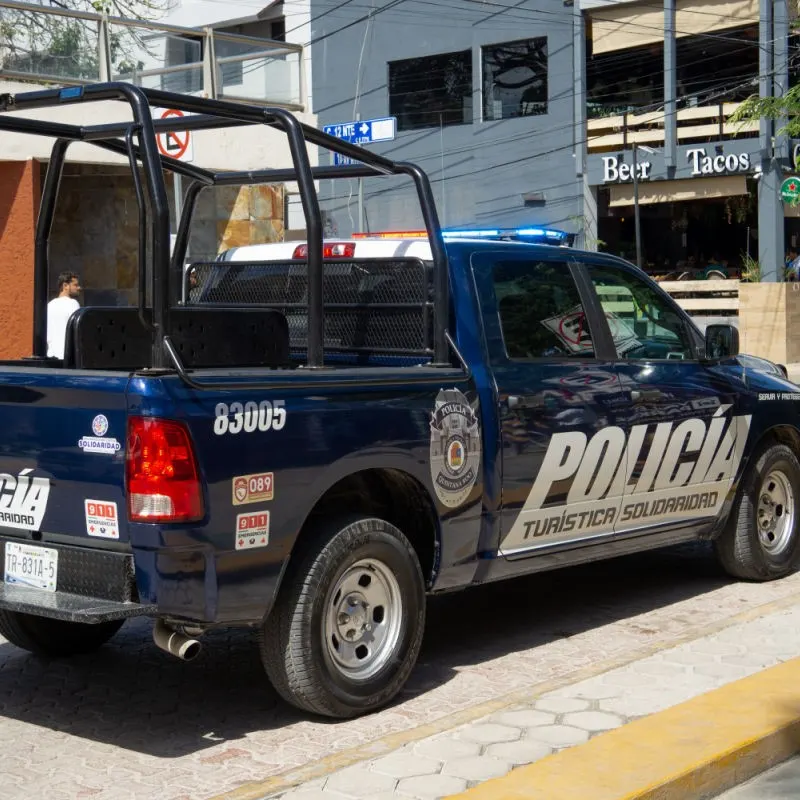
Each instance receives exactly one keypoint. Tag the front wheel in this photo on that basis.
(55, 637)
(347, 627)
(761, 541)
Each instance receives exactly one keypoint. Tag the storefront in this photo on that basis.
(702, 213)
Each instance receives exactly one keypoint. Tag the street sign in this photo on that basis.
(175, 144)
(790, 190)
(364, 131)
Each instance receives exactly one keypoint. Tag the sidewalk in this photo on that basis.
(550, 727)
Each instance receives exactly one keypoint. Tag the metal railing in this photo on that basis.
(61, 46)
(694, 123)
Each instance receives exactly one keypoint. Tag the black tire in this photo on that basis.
(299, 656)
(742, 550)
(55, 638)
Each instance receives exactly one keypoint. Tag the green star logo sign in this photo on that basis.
(790, 190)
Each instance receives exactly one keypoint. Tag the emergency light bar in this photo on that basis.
(546, 234)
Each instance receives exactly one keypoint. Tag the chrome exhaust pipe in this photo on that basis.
(175, 643)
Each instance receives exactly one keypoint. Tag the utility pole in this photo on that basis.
(360, 192)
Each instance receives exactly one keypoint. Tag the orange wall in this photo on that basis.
(19, 204)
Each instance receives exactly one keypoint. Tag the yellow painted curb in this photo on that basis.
(688, 752)
(284, 781)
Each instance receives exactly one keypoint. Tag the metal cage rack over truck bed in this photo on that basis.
(158, 312)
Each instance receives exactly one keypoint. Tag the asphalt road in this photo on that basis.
(779, 783)
(131, 721)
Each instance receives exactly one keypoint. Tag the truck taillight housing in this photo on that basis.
(161, 471)
(329, 250)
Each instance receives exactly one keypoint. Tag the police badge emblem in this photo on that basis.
(455, 447)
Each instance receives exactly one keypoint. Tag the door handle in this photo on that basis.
(646, 395)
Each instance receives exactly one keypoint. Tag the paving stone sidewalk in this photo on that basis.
(490, 747)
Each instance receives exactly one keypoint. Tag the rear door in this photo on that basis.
(686, 431)
(561, 406)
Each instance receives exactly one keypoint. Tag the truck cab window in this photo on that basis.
(643, 324)
(540, 311)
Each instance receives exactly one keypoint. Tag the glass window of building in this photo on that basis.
(712, 68)
(515, 79)
(431, 91)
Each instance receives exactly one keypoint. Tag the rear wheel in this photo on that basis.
(55, 637)
(347, 627)
(762, 539)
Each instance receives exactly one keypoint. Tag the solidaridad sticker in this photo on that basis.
(455, 447)
(98, 443)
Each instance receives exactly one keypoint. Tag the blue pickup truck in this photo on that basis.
(309, 441)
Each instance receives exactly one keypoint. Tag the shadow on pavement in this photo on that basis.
(132, 695)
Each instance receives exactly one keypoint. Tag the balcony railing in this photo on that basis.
(694, 124)
(65, 47)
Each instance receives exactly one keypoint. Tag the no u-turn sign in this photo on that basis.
(175, 144)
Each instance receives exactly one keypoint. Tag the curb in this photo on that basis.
(692, 751)
(292, 778)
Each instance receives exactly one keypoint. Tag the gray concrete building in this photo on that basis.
(484, 97)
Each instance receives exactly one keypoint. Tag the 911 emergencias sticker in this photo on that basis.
(252, 530)
(101, 519)
(253, 488)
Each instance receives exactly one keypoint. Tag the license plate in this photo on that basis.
(28, 565)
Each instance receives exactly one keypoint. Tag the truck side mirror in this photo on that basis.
(722, 341)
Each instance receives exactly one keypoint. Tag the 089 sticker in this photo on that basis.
(249, 417)
(253, 488)
(455, 447)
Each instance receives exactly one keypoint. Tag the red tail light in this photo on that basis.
(163, 483)
(329, 250)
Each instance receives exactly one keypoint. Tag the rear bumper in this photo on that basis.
(93, 586)
(68, 607)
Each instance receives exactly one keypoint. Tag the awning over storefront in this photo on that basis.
(679, 191)
(634, 24)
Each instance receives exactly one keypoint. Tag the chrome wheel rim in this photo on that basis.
(775, 515)
(363, 619)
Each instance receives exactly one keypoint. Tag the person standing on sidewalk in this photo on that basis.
(59, 310)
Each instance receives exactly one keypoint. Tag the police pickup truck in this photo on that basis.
(311, 438)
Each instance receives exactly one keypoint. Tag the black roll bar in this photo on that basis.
(140, 202)
(190, 196)
(154, 211)
(41, 255)
(171, 164)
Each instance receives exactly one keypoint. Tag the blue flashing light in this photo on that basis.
(508, 233)
(533, 232)
(470, 234)
(72, 91)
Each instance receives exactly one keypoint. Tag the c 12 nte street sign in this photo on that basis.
(362, 131)
(790, 190)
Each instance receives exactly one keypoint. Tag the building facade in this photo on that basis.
(199, 48)
(483, 97)
(662, 82)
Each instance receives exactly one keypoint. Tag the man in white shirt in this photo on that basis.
(60, 310)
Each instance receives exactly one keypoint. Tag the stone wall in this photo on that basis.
(232, 216)
(97, 228)
(96, 234)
